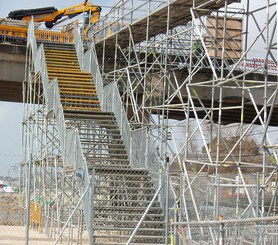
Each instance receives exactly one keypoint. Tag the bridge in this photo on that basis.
(12, 72)
(98, 125)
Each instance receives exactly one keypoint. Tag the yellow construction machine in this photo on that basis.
(15, 27)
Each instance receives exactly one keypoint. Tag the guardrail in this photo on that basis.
(112, 102)
(124, 14)
(15, 34)
(257, 65)
(70, 143)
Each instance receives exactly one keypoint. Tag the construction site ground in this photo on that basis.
(10, 235)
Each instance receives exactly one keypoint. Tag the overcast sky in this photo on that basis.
(11, 113)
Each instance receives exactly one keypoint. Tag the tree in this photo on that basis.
(248, 149)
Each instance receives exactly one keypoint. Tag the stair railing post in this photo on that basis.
(147, 150)
(131, 148)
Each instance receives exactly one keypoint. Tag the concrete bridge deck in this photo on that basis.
(12, 66)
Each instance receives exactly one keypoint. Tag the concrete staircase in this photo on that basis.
(121, 194)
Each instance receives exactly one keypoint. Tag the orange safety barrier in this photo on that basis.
(35, 215)
(54, 37)
(16, 34)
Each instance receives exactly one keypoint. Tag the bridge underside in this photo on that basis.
(12, 68)
(227, 116)
(12, 76)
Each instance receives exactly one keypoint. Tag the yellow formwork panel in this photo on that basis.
(35, 215)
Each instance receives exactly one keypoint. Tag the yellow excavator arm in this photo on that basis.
(51, 15)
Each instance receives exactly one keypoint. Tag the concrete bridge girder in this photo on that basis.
(12, 70)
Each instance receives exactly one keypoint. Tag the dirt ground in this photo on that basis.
(15, 235)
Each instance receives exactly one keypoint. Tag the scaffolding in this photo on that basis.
(191, 70)
(188, 93)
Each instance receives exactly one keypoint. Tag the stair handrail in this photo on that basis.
(106, 94)
(90, 64)
(112, 103)
(70, 153)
